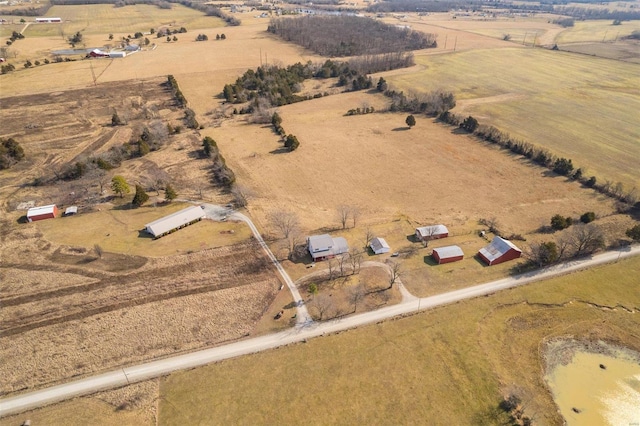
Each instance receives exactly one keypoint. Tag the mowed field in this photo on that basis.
(579, 107)
(450, 365)
(429, 173)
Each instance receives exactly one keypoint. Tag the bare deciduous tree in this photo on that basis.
(241, 195)
(342, 262)
(355, 295)
(331, 265)
(322, 305)
(157, 180)
(98, 250)
(355, 259)
(368, 236)
(395, 271)
(355, 215)
(343, 215)
(586, 239)
(284, 221)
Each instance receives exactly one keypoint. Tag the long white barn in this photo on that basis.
(174, 221)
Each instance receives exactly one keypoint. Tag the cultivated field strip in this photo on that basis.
(229, 269)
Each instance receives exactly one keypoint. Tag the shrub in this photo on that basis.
(588, 217)
(558, 222)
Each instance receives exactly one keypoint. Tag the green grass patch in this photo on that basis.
(578, 107)
(451, 365)
(120, 231)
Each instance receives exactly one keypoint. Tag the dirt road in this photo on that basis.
(301, 332)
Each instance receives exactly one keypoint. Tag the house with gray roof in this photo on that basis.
(322, 247)
(175, 221)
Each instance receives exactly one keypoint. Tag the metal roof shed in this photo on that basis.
(447, 254)
(174, 221)
(379, 246)
(498, 251)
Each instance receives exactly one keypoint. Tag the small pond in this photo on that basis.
(596, 385)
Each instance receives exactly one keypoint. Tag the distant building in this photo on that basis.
(118, 54)
(97, 53)
(379, 246)
(48, 20)
(447, 254)
(41, 213)
(433, 232)
(322, 247)
(175, 221)
(500, 250)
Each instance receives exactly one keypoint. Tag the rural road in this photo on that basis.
(220, 213)
(153, 369)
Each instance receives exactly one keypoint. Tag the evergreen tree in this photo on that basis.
(411, 121)
(170, 194)
(141, 196)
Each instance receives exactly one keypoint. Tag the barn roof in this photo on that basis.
(448, 251)
(497, 248)
(37, 211)
(379, 243)
(175, 220)
(325, 245)
(428, 231)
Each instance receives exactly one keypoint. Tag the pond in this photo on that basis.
(600, 387)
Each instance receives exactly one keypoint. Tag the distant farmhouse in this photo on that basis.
(434, 232)
(41, 213)
(379, 245)
(174, 221)
(500, 250)
(48, 20)
(324, 246)
(447, 254)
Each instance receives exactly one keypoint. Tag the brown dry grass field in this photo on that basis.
(65, 311)
(451, 365)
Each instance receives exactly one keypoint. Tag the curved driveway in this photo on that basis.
(138, 373)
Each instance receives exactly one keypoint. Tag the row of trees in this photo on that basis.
(540, 156)
(343, 35)
(120, 187)
(432, 103)
(580, 240)
(559, 222)
(222, 174)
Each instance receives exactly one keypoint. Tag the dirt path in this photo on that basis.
(124, 376)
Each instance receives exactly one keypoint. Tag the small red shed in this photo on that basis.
(41, 213)
(447, 254)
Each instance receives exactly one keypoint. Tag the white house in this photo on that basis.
(174, 221)
(379, 246)
(322, 247)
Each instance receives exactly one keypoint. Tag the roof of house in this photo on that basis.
(325, 245)
(448, 251)
(175, 220)
(378, 243)
(320, 242)
(497, 248)
(427, 231)
(36, 211)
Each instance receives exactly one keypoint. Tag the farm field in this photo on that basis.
(586, 114)
(453, 363)
(597, 31)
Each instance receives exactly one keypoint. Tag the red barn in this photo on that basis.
(40, 213)
(433, 232)
(447, 254)
(500, 250)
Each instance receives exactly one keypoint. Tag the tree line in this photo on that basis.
(189, 114)
(222, 174)
(349, 35)
(542, 157)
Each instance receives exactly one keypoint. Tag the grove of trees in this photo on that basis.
(344, 35)
(10, 153)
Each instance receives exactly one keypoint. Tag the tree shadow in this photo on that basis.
(197, 154)
(400, 129)
(281, 150)
(23, 219)
(124, 206)
(460, 131)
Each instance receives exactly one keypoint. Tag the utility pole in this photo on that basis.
(455, 44)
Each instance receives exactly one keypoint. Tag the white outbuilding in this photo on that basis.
(174, 221)
(379, 246)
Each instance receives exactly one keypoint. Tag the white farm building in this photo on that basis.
(379, 245)
(174, 221)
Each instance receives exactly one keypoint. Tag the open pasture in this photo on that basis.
(106, 18)
(429, 173)
(596, 31)
(453, 364)
(578, 107)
